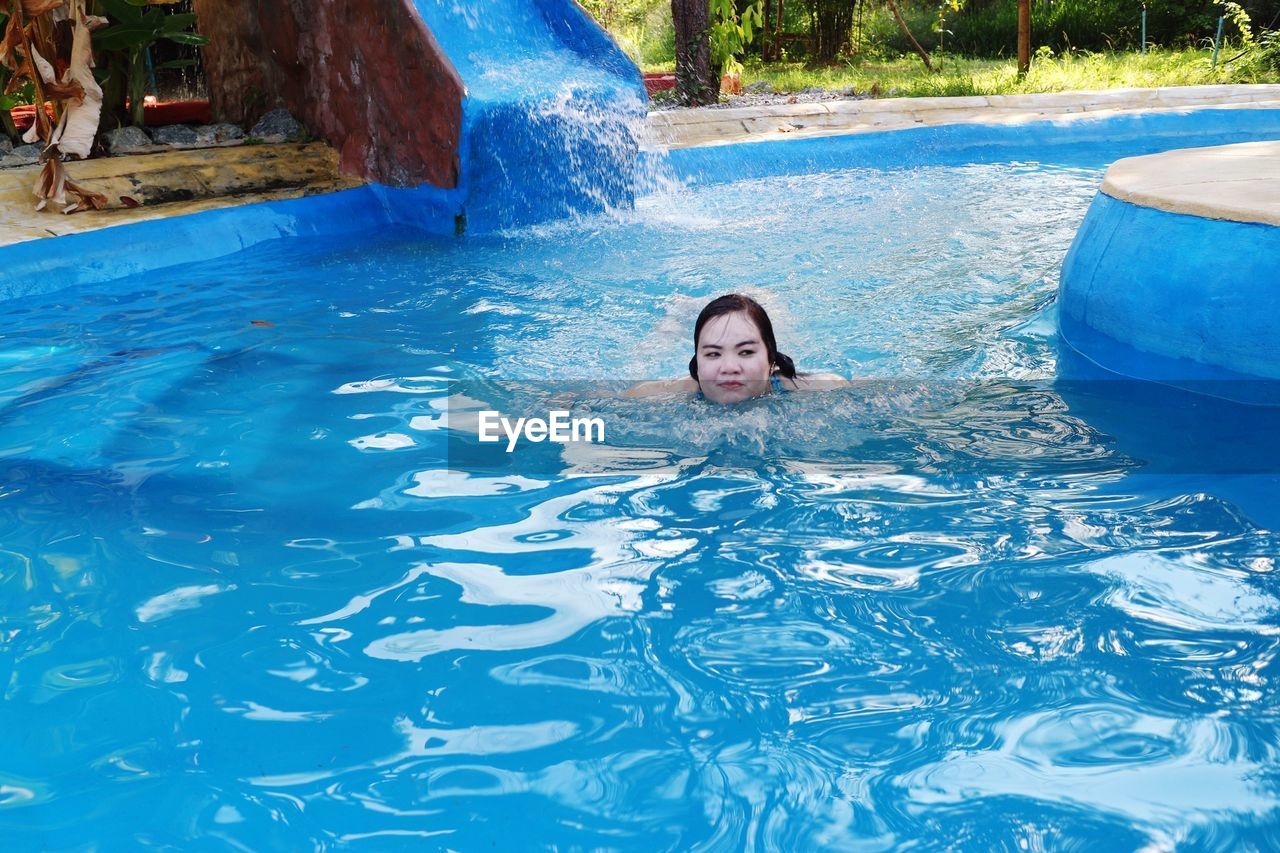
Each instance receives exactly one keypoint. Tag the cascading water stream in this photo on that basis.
(553, 114)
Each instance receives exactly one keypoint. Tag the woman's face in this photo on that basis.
(732, 362)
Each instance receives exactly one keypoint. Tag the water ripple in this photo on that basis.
(263, 588)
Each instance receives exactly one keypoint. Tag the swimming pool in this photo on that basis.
(258, 592)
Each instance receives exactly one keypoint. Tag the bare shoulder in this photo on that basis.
(662, 388)
(816, 382)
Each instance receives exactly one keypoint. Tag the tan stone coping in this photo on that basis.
(1237, 182)
(708, 126)
(170, 184)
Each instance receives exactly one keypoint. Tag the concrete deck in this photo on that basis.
(1240, 183)
(171, 183)
(714, 126)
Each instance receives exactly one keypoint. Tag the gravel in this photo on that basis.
(751, 98)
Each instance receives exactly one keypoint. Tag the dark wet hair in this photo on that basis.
(732, 303)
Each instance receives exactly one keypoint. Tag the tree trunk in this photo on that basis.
(1024, 37)
(238, 87)
(697, 83)
(779, 24)
(906, 31)
(830, 25)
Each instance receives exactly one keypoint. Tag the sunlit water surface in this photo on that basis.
(253, 591)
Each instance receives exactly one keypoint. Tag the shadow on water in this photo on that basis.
(1189, 439)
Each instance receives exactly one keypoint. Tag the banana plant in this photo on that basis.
(11, 100)
(135, 27)
(7, 102)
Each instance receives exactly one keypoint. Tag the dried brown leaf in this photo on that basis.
(36, 8)
(78, 124)
(88, 198)
(65, 91)
(11, 41)
(51, 184)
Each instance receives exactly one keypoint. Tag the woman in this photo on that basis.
(736, 358)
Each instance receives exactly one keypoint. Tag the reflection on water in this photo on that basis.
(1161, 773)
(260, 584)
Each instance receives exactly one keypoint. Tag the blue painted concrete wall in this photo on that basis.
(1077, 140)
(550, 118)
(1173, 298)
(108, 254)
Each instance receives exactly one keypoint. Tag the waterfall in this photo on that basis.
(552, 116)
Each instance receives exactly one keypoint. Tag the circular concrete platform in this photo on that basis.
(1174, 275)
(1236, 182)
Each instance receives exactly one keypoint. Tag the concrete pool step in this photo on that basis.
(1240, 183)
(170, 184)
(719, 126)
(1172, 274)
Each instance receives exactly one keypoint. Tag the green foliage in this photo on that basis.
(732, 32)
(642, 28)
(1267, 56)
(986, 28)
(1238, 17)
(904, 77)
(26, 94)
(135, 29)
(946, 8)
(976, 28)
(1268, 53)
(1260, 58)
(122, 48)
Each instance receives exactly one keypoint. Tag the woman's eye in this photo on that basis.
(711, 355)
(747, 353)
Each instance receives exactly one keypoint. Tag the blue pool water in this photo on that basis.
(260, 590)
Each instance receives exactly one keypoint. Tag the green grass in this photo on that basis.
(906, 77)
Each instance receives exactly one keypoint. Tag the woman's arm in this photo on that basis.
(816, 382)
(662, 388)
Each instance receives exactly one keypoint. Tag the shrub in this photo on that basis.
(989, 27)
